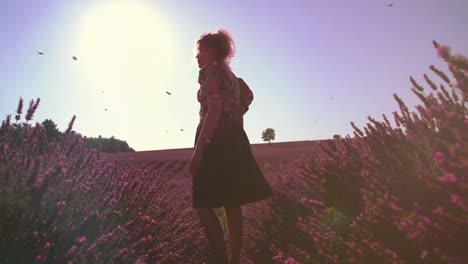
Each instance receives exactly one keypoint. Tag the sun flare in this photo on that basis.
(124, 46)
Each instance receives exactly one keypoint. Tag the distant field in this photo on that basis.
(172, 161)
(275, 151)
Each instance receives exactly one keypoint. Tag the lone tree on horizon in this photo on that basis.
(268, 135)
(337, 136)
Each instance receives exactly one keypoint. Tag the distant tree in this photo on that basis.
(16, 129)
(51, 129)
(336, 136)
(268, 135)
(111, 144)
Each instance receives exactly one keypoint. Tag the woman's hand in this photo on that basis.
(195, 163)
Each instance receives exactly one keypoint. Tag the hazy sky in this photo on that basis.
(295, 55)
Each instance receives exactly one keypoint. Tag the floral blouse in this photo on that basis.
(217, 80)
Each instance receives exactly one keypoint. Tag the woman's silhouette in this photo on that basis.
(224, 171)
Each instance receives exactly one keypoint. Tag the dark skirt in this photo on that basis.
(229, 173)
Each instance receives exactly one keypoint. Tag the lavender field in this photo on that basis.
(386, 195)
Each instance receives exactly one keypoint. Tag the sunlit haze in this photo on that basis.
(314, 66)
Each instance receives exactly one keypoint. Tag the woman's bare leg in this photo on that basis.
(214, 233)
(235, 226)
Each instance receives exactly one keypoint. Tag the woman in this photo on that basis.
(224, 171)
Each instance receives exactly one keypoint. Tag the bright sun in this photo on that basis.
(124, 46)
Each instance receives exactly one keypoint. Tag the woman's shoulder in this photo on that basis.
(214, 70)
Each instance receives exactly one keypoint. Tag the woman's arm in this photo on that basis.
(210, 122)
(212, 79)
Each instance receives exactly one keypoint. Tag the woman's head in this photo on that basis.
(218, 46)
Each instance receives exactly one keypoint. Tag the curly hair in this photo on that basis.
(222, 42)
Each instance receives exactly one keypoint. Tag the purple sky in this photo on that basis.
(295, 55)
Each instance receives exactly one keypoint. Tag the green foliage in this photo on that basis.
(108, 144)
(335, 221)
(336, 136)
(14, 131)
(223, 216)
(52, 131)
(268, 135)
